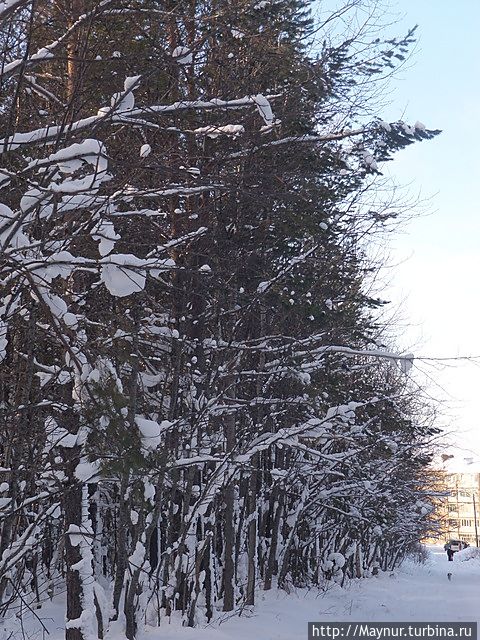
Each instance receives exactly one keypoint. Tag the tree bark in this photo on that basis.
(252, 534)
(73, 515)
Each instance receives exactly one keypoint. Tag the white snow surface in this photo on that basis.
(413, 593)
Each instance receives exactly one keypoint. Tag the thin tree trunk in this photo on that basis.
(252, 534)
(121, 554)
(272, 555)
(73, 516)
(229, 516)
(74, 54)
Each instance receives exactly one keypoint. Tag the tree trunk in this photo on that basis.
(229, 516)
(272, 555)
(252, 534)
(73, 515)
(121, 549)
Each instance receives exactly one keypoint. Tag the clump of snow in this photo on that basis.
(58, 436)
(77, 533)
(145, 150)
(59, 264)
(120, 275)
(228, 129)
(236, 33)
(42, 54)
(71, 158)
(137, 557)
(58, 306)
(337, 559)
(263, 105)
(90, 154)
(122, 101)
(131, 82)
(387, 127)
(182, 55)
(104, 231)
(150, 380)
(303, 377)
(87, 471)
(151, 431)
(12, 234)
(369, 161)
(148, 490)
(406, 362)
(410, 131)
(30, 199)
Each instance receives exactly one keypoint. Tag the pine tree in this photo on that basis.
(195, 403)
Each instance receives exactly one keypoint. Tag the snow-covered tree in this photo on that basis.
(194, 399)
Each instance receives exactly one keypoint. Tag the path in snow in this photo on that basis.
(414, 593)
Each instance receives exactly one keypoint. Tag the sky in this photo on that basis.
(437, 277)
(435, 274)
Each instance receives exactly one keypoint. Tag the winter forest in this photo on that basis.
(199, 394)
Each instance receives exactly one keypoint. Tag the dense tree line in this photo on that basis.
(196, 402)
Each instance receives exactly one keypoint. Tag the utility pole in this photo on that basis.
(475, 520)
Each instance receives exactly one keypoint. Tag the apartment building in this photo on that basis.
(461, 507)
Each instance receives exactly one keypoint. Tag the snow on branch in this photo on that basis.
(45, 53)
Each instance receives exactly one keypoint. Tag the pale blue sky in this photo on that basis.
(436, 283)
(441, 87)
(441, 278)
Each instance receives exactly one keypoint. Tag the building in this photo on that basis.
(461, 507)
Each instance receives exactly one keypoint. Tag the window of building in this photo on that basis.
(452, 507)
(464, 494)
(466, 523)
(453, 523)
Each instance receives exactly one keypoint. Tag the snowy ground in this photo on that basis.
(413, 593)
